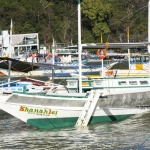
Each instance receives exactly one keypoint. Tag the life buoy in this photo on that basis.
(109, 72)
(99, 53)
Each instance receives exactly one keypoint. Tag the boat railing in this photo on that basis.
(4, 83)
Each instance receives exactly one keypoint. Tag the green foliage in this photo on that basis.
(98, 14)
(58, 19)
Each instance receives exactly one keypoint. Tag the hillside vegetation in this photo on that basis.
(58, 19)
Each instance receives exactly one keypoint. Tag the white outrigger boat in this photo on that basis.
(136, 66)
(66, 110)
(61, 70)
(30, 69)
(104, 100)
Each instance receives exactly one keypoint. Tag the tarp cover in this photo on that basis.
(22, 66)
(17, 65)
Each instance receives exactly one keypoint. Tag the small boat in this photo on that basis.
(20, 68)
(136, 66)
(28, 85)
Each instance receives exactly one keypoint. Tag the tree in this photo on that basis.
(98, 14)
(58, 19)
(128, 13)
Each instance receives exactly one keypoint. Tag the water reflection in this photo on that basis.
(125, 135)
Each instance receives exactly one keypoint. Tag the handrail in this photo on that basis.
(9, 83)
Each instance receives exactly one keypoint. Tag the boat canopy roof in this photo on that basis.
(17, 65)
(21, 66)
(125, 46)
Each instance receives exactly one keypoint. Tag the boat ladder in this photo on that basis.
(88, 109)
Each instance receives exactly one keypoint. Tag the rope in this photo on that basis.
(143, 143)
(106, 45)
(54, 32)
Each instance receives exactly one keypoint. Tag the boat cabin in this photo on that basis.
(110, 83)
(138, 60)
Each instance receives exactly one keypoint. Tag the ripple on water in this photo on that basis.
(125, 135)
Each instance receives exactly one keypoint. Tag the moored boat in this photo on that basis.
(107, 99)
(63, 110)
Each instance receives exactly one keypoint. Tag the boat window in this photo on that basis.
(143, 82)
(133, 82)
(122, 83)
(138, 59)
(98, 82)
(72, 83)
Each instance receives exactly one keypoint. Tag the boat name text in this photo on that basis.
(37, 111)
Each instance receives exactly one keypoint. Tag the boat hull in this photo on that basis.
(48, 72)
(53, 112)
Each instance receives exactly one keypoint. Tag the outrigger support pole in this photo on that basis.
(53, 59)
(148, 47)
(79, 46)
